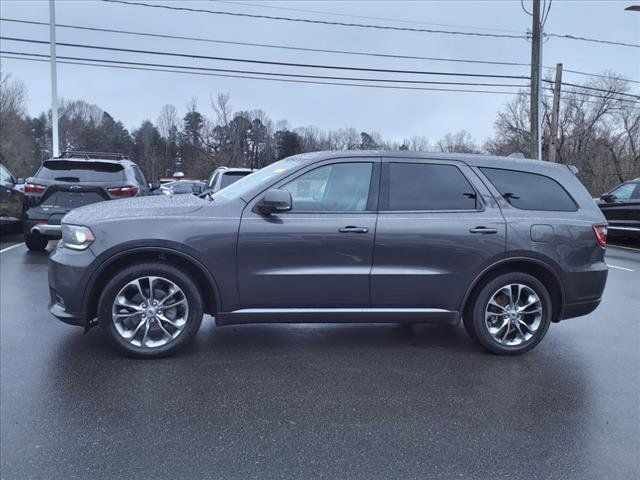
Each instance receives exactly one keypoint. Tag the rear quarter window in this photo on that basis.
(530, 191)
(81, 171)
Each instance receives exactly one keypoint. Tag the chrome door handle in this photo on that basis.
(483, 230)
(351, 229)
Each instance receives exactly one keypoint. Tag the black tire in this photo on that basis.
(36, 243)
(479, 329)
(176, 275)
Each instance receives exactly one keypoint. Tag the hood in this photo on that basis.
(150, 206)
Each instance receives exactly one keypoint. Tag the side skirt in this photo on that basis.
(337, 315)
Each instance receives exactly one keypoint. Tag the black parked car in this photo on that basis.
(621, 208)
(72, 180)
(506, 245)
(10, 198)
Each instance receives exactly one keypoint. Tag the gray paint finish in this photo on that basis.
(404, 260)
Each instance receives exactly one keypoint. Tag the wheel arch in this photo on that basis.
(535, 267)
(204, 280)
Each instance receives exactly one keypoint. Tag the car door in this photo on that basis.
(10, 197)
(319, 254)
(621, 207)
(438, 227)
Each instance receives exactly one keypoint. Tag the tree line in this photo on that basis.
(599, 132)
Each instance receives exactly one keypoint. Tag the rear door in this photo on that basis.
(438, 227)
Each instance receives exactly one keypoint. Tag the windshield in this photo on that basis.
(249, 182)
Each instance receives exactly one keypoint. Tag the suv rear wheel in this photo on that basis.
(150, 310)
(511, 314)
(35, 242)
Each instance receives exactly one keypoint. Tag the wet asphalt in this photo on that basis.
(330, 401)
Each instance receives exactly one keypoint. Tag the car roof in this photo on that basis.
(125, 162)
(234, 169)
(471, 159)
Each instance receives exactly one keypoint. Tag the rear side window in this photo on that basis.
(231, 177)
(427, 186)
(530, 191)
(81, 171)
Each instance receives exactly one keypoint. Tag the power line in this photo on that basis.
(266, 62)
(386, 19)
(599, 75)
(154, 67)
(268, 45)
(595, 89)
(574, 37)
(294, 75)
(320, 22)
(363, 25)
(302, 49)
(393, 87)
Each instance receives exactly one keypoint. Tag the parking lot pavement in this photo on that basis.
(333, 401)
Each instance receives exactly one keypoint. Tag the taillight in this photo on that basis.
(601, 234)
(123, 191)
(34, 188)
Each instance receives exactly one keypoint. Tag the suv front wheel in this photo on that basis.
(511, 314)
(150, 310)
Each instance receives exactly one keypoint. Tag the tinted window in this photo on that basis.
(231, 177)
(530, 191)
(341, 187)
(81, 171)
(5, 176)
(425, 186)
(626, 191)
(140, 178)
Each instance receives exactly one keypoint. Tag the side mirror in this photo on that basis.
(19, 181)
(154, 185)
(608, 197)
(274, 201)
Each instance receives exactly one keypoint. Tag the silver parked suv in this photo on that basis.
(506, 245)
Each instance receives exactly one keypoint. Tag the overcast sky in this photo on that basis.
(133, 96)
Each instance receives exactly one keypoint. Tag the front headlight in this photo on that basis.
(76, 237)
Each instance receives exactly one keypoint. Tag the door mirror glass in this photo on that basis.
(274, 201)
(19, 181)
(154, 185)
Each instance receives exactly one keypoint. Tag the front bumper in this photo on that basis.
(69, 271)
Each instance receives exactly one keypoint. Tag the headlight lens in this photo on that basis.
(76, 237)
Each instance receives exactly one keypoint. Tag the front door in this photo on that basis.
(319, 254)
(438, 227)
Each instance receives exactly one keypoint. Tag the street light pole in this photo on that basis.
(54, 80)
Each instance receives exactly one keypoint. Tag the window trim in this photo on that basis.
(386, 186)
(507, 202)
(374, 185)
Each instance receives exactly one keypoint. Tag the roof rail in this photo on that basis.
(93, 155)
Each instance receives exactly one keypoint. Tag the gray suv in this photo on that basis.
(506, 245)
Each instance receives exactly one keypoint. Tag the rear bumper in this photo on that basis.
(579, 309)
(584, 291)
(44, 226)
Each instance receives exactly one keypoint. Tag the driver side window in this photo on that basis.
(339, 187)
(624, 192)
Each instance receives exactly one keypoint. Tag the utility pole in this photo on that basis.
(54, 80)
(536, 69)
(555, 112)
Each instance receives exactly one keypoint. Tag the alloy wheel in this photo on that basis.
(150, 311)
(513, 314)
